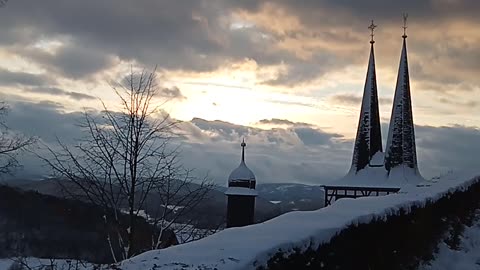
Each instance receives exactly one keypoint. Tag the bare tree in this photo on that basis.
(11, 144)
(127, 159)
(178, 199)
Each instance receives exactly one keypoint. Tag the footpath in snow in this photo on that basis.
(250, 247)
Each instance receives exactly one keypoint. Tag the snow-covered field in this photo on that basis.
(252, 246)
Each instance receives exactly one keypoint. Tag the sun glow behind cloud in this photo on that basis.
(273, 60)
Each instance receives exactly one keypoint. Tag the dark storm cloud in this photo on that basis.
(222, 130)
(59, 92)
(352, 100)
(45, 120)
(452, 101)
(347, 99)
(277, 121)
(196, 35)
(304, 71)
(172, 34)
(310, 136)
(172, 93)
(378, 9)
(71, 60)
(9, 78)
(441, 149)
(433, 44)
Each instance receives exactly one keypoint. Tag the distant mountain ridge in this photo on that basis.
(292, 196)
(274, 198)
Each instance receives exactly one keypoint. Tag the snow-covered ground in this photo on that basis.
(252, 246)
(467, 257)
(44, 264)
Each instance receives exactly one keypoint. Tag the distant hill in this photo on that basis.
(39, 218)
(39, 225)
(292, 197)
(273, 200)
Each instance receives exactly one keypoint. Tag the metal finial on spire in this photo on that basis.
(405, 17)
(243, 145)
(372, 27)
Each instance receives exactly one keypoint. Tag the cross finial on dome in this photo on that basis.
(405, 17)
(243, 145)
(372, 27)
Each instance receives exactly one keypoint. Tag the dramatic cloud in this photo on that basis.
(172, 93)
(305, 155)
(468, 104)
(45, 120)
(276, 121)
(352, 100)
(444, 149)
(310, 39)
(59, 92)
(310, 136)
(276, 60)
(10, 78)
(70, 60)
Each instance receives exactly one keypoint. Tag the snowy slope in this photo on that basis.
(467, 257)
(252, 246)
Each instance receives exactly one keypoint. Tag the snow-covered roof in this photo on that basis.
(242, 172)
(241, 191)
(377, 159)
(400, 176)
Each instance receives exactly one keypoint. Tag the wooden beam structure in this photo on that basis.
(333, 193)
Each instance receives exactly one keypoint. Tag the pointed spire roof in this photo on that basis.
(368, 141)
(243, 145)
(401, 149)
(242, 172)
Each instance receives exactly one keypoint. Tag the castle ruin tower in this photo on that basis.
(241, 195)
(368, 143)
(400, 151)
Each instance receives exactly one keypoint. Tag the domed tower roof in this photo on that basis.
(242, 172)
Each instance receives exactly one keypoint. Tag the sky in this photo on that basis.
(285, 75)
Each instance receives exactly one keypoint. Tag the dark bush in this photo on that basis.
(402, 241)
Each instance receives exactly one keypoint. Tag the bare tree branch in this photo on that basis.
(11, 144)
(126, 160)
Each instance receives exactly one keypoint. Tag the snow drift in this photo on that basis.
(252, 246)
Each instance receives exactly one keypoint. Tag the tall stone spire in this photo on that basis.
(401, 150)
(369, 138)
